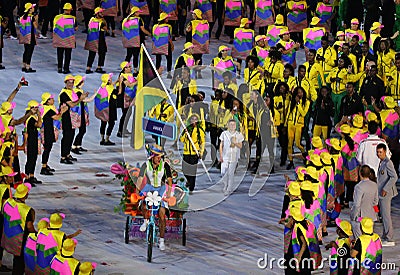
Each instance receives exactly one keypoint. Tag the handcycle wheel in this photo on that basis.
(184, 232)
(126, 232)
(150, 242)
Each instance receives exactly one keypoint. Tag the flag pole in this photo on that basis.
(176, 111)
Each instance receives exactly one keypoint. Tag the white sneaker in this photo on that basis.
(13, 37)
(161, 245)
(42, 36)
(388, 243)
(143, 227)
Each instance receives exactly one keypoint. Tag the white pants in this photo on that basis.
(228, 174)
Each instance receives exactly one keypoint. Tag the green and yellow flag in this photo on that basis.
(150, 92)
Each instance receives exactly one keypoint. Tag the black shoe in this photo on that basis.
(50, 169)
(107, 34)
(88, 71)
(46, 172)
(109, 143)
(23, 69)
(66, 72)
(119, 134)
(102, 142)
(30, 70)
(100, 71)
(76, 151)
(66, 161)
(2, 68)
(272, 170)
(81, 149)
(112, 34)
(71, 158)
(27, 180)
(59, 71)
(290, 166)
(36, 181)
(3, 268)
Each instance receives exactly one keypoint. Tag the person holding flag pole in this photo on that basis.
(149, 94)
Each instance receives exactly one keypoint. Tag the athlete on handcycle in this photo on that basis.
(158, 173)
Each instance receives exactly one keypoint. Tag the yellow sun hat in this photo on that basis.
(301, 171)
(223, 48)
(97, 10)
(46, 96)
(31, 104)
(78, 79)
(279, 20)
(294, 189)
(198, 13)
(296, 210)
(163, 16)
(68, 247)
(56, 220)
(312, 172)
(28, 6)
(187, 45)
(6, 106)
(358, 121)
(326, 158)
(376, 25)
(314, 21)
(345, 129)
(67, 6)
(317, 142)
(334, 143)
(367, 225)
(69, 77)
(22, 190)
(43, 223)
(354, 21)
(340, 33)
(124, 64)
(135, 9)
(306, 185)
(345, 226)
(244, 21)
(389, 101)
(86, 268)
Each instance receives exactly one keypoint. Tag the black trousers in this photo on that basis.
(283, 142)
(133, 52)
(122, 120)
(109, 128)
(92, 55)
(48, 17)
(110, 22)
(66, 141)
(81, 134)
(46, 152)
(169, 59)
(1, 55)
(9, 12)
(28, 52)
(31, 157)
(60, 58)
(189, 167)
(348, 195)
(18, 265)
(219, 18)
(125, 6)
(181, 23)
(215, 133)
(87, 14)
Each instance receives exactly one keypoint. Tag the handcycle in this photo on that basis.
(176, 225)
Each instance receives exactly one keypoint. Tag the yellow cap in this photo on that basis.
(294, 189)
(389, 101)
(56, 220)
(339, 33)
(296, 210)
(187, 45)
(68, 247)
(135, 9)
(358, 121)
(345, 129)
(345, 226)
(31, 104)
(223, 48)
(279, 20)
(244, 21)
(78, 80)
(67, 6)
(28, 6)
(317, 143)
(376, 25)
(367, 225)
(43, 223)
(6, 106)
(163, 16)
(124, 64)
(86, 268)
(334, 143)
(22, 190)
(97, 10)
(198, 13)
(312, 172)
(46, 96)
(69, 77)
(314, 21)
